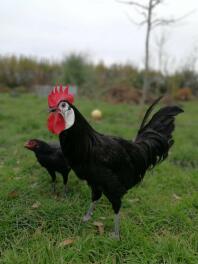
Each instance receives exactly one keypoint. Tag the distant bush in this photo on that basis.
(22, 71)
(75, 69)
(123, 94)
(92, 80)
(184, 94)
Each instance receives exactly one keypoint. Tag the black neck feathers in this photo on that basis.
(77, 141)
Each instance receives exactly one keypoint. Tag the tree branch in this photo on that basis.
(133, 3)
(141, 23)
(185, 15)
(142, 13)
(155, 3)
(163, 22)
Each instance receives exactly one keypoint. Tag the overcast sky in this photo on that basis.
(101, 28)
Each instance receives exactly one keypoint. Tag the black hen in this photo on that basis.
(110, 165)
(50, 156)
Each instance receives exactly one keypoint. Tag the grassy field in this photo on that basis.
(159, 218)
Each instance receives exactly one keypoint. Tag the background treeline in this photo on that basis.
(93, 80)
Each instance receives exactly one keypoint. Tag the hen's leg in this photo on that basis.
(53, 175)
(53, 186)
(65, 179)
(96, 194)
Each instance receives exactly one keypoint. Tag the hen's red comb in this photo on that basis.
(58, 94)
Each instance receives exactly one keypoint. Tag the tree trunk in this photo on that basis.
(146, 84)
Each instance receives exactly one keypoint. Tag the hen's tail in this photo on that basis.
(154, 137)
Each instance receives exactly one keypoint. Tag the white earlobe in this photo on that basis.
(69, 118)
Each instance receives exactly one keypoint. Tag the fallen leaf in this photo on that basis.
(38, 231)
(102, 217)
(15, 151)
(18, 178)
(13, 194)
(176, 197)
(36, 205)
(135, 200)
(66, 242)
(16, 169)
(33, 185)
(100, 227)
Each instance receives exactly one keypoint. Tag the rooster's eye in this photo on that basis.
(63, 105)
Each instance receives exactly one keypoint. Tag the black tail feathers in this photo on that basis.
(155, 136)
(162, 121)
(148, 112)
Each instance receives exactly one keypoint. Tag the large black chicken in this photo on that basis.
(110, 165)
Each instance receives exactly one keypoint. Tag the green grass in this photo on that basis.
(159, 218)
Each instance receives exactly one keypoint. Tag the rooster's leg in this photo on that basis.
(114, 194)
(96, 194)
(116, 204)
(90, 211)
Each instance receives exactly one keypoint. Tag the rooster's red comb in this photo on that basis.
(58, 94)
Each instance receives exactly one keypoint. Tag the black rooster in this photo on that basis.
(50, 156)
(110, 165)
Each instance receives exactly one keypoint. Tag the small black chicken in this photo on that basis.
(110, 165)
(50, 156)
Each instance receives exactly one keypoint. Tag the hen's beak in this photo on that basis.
(50, 110)
(27, 145)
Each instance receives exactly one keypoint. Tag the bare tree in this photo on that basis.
(160, 42)
(151, 20)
